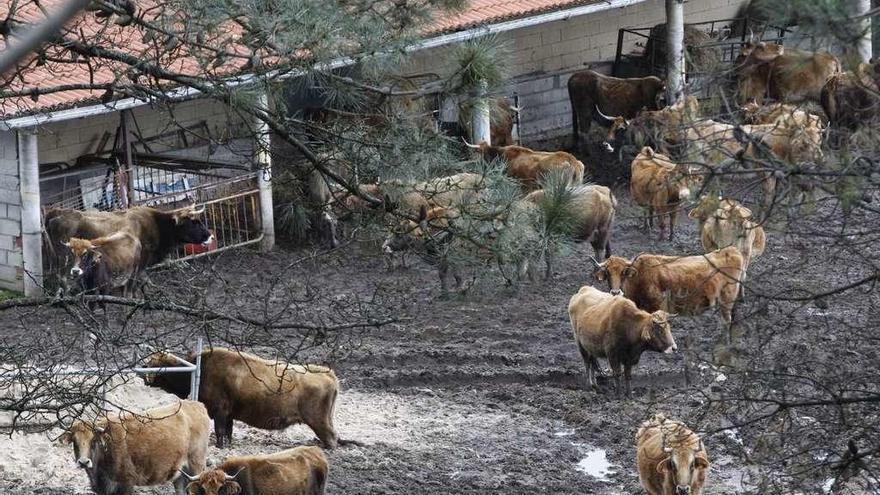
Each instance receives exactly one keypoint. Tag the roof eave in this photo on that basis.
(433, 42)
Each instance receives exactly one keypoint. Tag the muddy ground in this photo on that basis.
(482, 393)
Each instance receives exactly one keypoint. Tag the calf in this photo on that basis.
(105, 263)
(613, 327)
(261, 393)
(297, 471)
(529, 167)
(660, 186)
(671, 458)
(126, 450)
(685, 284)
(726, 222)
(591, 209)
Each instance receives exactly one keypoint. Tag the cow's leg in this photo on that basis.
(590, 363)
(616, 371)
(548, 265)
(768, 187)
(220, 427)
(661, 220)
(229, 423)
(672, 214)
(320, 420)
(443, 272)
(627, 376)
(599, 242)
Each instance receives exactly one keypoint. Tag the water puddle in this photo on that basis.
(596, 465)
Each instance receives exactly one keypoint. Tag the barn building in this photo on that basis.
(64, 148)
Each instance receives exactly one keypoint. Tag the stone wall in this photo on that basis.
(11, 274)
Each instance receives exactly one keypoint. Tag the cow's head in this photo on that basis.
(749, 111)
(659, 335)
(409, 232)
(685, 463)
(688, 180)
(760, 52)
(615, 270)
(84, 253)
(176, 383)
(616, 128)
(213, 482)
(189, 227)
(89, 443)
(706, 207)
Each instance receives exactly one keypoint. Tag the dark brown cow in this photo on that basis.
(258, 392)
(593, 94)
(150, 448)
(297, 471)
(685, 284)
(159, 232)
(771, 70)
(850, 98)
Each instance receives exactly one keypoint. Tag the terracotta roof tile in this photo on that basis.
(479, 12)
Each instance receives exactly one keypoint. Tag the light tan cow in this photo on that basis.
(661, 186)
(671, 458)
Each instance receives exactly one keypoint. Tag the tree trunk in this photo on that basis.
(674, 50)
(480, 120)
(864, 49)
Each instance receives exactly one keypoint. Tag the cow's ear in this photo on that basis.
(694, 213)
(232, 488)
(600, 274)
(663, 466)
(701, 462)
(66, 438)
(630, 272)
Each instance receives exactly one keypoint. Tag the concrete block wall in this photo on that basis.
(568, 45)
(11, 274)
(65, 141)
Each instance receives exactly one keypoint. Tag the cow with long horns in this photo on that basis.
(671, 458)
(605, 99)
(297, 471)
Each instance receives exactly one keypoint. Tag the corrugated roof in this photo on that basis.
(54, 73)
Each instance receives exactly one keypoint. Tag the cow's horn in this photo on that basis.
(100, 429)
(700, 448)
(610, 119)
(514, 109)
(598, 265)
(469, 145)
(197, 211)
(236, 473)
(188, 476)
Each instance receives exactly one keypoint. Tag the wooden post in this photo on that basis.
(675, 67)
(480, 119)
(264, 173)
(31, 227)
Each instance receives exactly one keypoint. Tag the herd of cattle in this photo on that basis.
(645, 293)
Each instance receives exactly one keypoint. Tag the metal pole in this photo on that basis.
(31, 227)
(196, 376)
(481, 120)
(129, 162)
(264, 177)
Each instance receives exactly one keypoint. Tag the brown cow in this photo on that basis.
(661, 186)
(671, 459)
(684, 284)
(591, 209)
(259, 392)
(662, 128)
(726, 222)
(125, 450)
(782, 114)
(593, 95)
(771, 70)
(850, 98)
(529, 166)
(106, 263)
(159, 232)
(297, 471)
(613, 327)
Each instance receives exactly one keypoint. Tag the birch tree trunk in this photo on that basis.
(674, 50)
